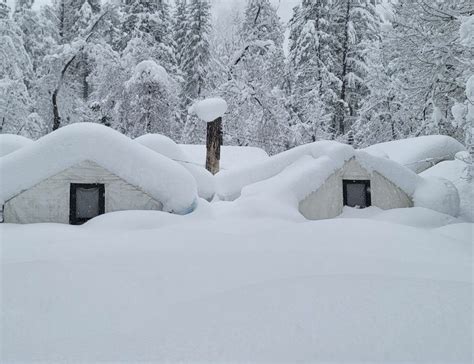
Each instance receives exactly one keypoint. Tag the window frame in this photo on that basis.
(73, 219)
(368, 191)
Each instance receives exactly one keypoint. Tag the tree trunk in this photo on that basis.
(213, 145)
(56, 117)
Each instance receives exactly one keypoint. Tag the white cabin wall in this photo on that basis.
(327, 202)
(48, 201)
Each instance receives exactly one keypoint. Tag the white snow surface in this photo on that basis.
(418, 153)
(12, 142)
(232, 157)
(209, 109)
(146, 286)
(456, 171)
(168, 147)
(165, 180)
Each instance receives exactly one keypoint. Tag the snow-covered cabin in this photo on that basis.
(320, 178)
(12, 142)
(84, 170)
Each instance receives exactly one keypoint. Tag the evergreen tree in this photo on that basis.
(195, 62)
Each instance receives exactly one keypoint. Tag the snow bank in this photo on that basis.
(418, 153)
(210, 109)
(232, 157)
(160, 177)
(437, 194)
(168, 147)
(11, 142)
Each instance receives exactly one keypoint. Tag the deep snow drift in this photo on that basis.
(151, 286)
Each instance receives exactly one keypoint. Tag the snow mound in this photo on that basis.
(419, 153)
(437, 194)
(168, 147)
(417, 217)
(160, 177)
(11, 142)
(210, 109)
(232, 157)
(457, 172)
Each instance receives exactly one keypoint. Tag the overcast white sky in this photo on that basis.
(284, 6)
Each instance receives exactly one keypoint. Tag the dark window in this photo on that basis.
(87, 200)
(356, 193)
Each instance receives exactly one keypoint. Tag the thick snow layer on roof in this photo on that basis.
(160, 177)
(11, 142)
(418, 153)
(232, 157)
(457, 172)
(168, 147)
(230, 183)
(209, 109)
(163, 145)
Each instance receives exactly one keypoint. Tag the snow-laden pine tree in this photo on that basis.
(195, 64)
(16, 77)
(146, 32)
(355, 24)
(432, 65)
(146, 101)
(256, 79)
(312, 80)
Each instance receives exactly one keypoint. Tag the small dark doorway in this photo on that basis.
(356, 193)
(86, 200)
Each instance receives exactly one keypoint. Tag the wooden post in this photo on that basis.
(213, 145)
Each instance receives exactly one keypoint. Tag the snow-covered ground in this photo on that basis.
(372, 285)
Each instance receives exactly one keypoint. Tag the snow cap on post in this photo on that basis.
(209, 109)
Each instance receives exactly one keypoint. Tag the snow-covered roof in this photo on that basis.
(292, 175)
(168, 147)
(11, 142)
(310, 162)
(160, 177)
(163, 145)
(418, 153)
(232, 157)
